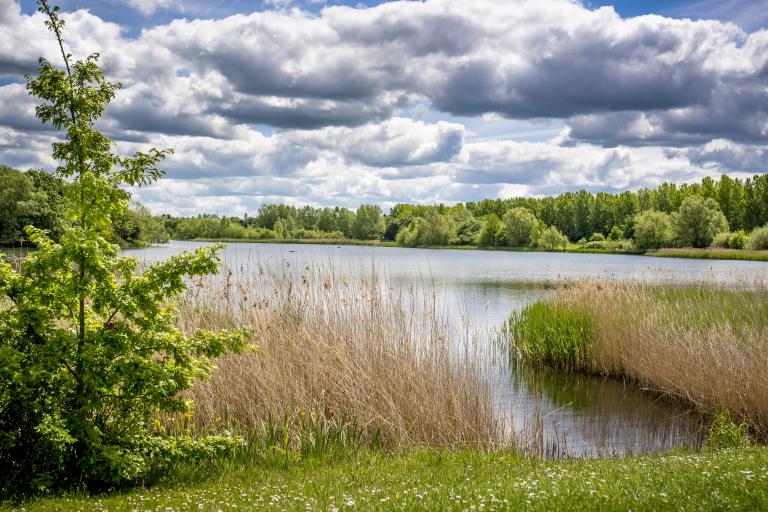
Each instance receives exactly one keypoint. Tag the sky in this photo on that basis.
(343, 102)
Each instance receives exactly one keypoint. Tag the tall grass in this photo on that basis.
(711, 254)
(704, 345)
(342, 361)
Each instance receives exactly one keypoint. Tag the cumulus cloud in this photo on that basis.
(313, 107)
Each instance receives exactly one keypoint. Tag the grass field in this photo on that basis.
(442, 480)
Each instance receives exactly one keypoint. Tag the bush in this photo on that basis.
(758, 239)
(597, 237)
(724, 433)
(616, 234)
(736, 240)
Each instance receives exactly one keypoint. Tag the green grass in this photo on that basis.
(551, 335)
(711, 254)
(734, 479)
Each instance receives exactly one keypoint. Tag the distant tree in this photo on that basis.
(758, 239)
(433, 230)
(368, 223)
(519, 224)
(616, 234)
(492, 232)
(653, 230)
(552, 239)
(698, 221)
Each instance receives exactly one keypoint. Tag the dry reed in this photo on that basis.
(338, 346)
(706, 346)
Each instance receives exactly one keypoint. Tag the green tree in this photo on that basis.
(15, 188)
(368, 223)
(616, 234)
(698, 221)
(89, 354)
(653, 230)
(519, 225)
(552, 239)
(492, 232)
(435, 229)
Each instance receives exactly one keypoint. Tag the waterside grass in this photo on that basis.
(711, 254)
(337, 353)
(703, 345)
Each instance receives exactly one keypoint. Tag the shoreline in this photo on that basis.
(686, 253)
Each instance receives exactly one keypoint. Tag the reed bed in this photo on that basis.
(705, 345)
(351, 358)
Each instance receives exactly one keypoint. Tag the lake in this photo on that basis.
(570, 415)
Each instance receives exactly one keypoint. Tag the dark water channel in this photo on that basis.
(572, 415)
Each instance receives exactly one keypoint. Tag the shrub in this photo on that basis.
(616, 234)
(758, 239)
(597, 237)
(736, 240)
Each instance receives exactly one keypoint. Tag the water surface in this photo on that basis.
(569, 414)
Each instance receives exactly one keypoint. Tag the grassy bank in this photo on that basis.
(712, 254)
(703, 345)
(439, 480)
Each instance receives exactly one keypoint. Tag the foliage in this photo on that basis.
(597, 237)
(368, 223)
(433, 230)
(698, 221)
(137, 227)
(552, 239)
(758, 239)
(520, 225)
(616, 234)
(34, 197)
(90, 354)
(551, 335)
(653, 230)
(728, 240)
(492, 232)
(724, 433)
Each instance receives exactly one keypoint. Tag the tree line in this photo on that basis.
(721, 212)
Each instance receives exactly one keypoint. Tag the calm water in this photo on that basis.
(574, 415)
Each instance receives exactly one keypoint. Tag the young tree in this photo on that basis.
(519, 224)
(653, 230)
(89, 354)
(698, 221)
(551, 239)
